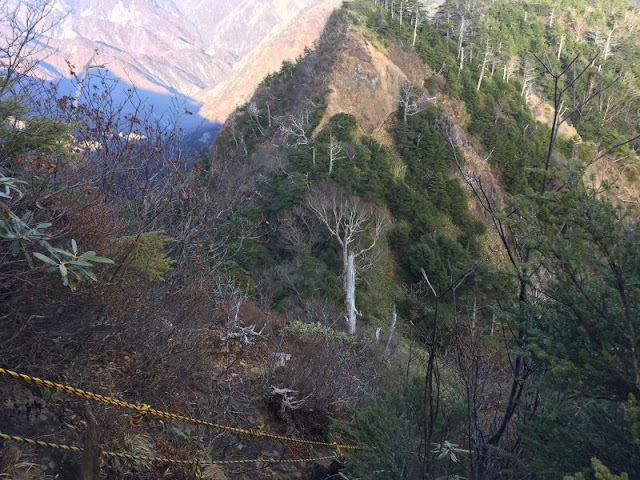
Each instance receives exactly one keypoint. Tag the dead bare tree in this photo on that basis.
(528, 76)
(227, 295)
(392, 329)
(408, 101)
(254, 112)
(485, 63)
(411, 102)
(82, 77)
(357, 227)
(288, 398)
(419, 17)
(607, 43)
(509, 68)
(463, 29)
(297, 127)
(335, 150)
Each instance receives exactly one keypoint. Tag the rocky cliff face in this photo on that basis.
(366, 82)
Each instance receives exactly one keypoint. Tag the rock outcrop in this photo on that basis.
(366, 82)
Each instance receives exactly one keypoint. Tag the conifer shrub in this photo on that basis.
(394, 425)
(142, 257)
(600, 472)
(564, 436)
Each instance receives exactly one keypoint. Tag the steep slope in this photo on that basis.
(315, 122)
(285, 42)
(514, 350)
(367, 83)
(476, 129)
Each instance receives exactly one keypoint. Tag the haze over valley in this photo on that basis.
(208, 54)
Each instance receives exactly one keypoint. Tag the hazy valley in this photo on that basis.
(210, 55)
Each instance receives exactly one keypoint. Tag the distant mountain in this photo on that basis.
(285, 41)
(194, 49)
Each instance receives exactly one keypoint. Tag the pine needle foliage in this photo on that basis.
(142, 256)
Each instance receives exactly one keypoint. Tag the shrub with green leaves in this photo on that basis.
(601, 472)
(20, 232)
(394, 426)
(387, 427)
(72, 265)
(141, 256)
(316, 330)
(23, 236)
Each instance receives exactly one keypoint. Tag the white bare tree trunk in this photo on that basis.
(609, 44)
(493, 323)
(347, 219)
(350, 292)
(560, 46)
(334, 152)
(474, 315)
(463, 26)
(82, 78)
(392, 329)
(508, 69)
(528, 76)
(408, 101)
(484, 65)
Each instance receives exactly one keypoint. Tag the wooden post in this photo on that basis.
(91, 451)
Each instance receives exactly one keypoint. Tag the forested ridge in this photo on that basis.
(420, 237)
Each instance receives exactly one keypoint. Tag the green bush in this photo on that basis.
(316, 330)
(141, 256)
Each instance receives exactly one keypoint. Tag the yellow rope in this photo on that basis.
(152, 458)
(142, 410)
(214, 462)
(39, 443)
(138, 416)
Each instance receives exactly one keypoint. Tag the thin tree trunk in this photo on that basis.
(392, 329)
(350, 292)
(484, 66)
(461, 38)
(91, 452)
(560, 46)
(474, 315)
